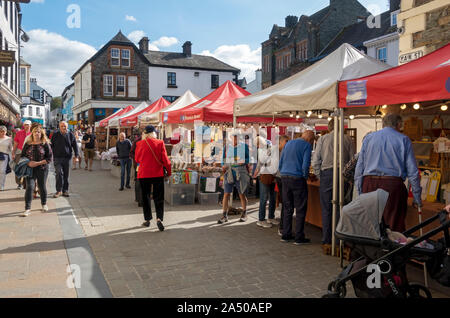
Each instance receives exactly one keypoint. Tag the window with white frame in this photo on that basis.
(120, 85)
(107, 85)
(382, 54)
(38, 112)
(30, 111)
(23, 81)
(125, 58)
(115, 57)
(394, 16)
(132, 86)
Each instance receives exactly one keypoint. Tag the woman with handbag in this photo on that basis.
(266, 169)
(154, 167)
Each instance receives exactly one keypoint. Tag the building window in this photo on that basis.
(125, 58)
(6, 9)
(36, 94)
(115, 57)
(30, 111)
(6, 68)
(171, 79)
(23, 81)
(382, 54)
(171, 99)
(214, 81)
(120, 85)
(266, 63)
(38, 112)
(11, 16)
(302, 50)
(279, 63)
(286, 61)
(107, 85)
(394, 16)
(132, 86)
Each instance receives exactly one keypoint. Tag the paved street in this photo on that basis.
(194, 257)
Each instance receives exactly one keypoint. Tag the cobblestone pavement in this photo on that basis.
(193, 257)
(33, 259)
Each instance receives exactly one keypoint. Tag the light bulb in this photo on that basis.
(352, 117)
(416, 106)
(298, 116)
(403, 107)
(444, 107)
(320, 116)
(291, 115)
(384, 106)
(329, 118)
(309, 113)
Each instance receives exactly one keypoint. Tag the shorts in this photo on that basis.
(228, 187)
(89, 153)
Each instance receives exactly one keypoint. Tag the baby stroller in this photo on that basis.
(379, 268)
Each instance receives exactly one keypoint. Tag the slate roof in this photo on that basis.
(179, 60)
(356, 34)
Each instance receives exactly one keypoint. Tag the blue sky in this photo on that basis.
(229, 29)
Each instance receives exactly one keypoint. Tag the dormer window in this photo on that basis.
(125, 58)
(115, 57)
(394, 16)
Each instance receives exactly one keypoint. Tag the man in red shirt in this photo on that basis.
(19, 140)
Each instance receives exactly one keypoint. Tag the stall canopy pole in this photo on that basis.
(341, 172)
(335, 180)
(107, 138)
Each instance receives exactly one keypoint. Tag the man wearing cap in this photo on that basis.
(90, 144)
(19, 140)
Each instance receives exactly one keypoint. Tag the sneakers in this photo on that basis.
(287, 239)
(26, 213)
(264, 224)
(57, 195)
(128, 186)
(280, 232)
(45, 208)
(243, 217)
(304, 241)
(160, 226)
(273, 221)
(121, 189)
(66, 194)
(223, 219)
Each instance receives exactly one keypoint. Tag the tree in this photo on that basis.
(56, 103)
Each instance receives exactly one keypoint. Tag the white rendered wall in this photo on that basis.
(200, 86)
(392, 47)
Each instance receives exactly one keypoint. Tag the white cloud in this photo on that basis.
(54, 59)
(165, 41)
(240, 56)
(130, 18)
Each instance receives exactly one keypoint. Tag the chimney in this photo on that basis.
(187, 49)
(143, 45)
(291, 21)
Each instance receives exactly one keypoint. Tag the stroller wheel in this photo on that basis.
(333, 292)
(416, 291)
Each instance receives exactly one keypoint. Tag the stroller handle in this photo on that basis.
(442, 216)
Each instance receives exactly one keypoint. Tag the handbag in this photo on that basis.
(166, 173)
(266, 179)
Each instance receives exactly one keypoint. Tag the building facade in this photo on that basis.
(10, 23)
(424, 26)
(35, 111)
(299, 43)
(67, 99)
(256, 85)
(116, 76)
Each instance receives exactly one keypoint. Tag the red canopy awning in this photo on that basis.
(217, 107)
(425, 79)
(132, 120)
(104, 122)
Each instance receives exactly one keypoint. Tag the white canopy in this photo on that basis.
(314, 88)
(114, 123)
(186, 99)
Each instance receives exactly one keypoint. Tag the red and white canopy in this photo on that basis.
(132, 119)
(120, 112)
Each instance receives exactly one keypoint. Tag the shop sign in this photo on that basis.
(356, 93)
(7, 58)
(408, 57)
(73, 122)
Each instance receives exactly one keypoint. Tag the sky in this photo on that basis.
(230, 30)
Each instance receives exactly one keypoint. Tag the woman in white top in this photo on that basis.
(78, 136)
(5, 155)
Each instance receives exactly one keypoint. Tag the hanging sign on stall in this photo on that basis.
(356, 93)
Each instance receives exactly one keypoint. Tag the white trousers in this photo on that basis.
(3, 166)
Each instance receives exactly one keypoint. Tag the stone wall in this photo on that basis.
(437, 32)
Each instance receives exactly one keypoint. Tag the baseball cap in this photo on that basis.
(149, 129)
(27, 122)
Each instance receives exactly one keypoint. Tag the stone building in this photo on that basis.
(424, 26)
(297, 45)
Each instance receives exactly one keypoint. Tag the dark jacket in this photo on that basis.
(22, 170)
(123, 149)
(62, 145)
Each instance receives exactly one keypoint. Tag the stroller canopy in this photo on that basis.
(363, 216)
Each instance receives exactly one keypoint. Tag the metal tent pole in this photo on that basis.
(341, 173)
(335, 181)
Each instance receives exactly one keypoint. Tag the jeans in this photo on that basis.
(280, 190)
(295, 196)
(266, 192)
(62, 174)
(326, 197)
(158, 197)
(125, 165)
(39, 175)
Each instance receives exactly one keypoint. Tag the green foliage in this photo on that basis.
(56, 103)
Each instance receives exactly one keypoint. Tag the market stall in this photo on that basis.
(102, 130)
(420, 92)
(312, 93)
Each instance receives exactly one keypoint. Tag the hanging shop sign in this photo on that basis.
(7, 58)
(73, 122)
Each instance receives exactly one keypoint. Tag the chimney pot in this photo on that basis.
(187, 49)
(143, 45)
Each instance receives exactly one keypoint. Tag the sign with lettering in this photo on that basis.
(408, 57)
(7, 58)
(73, 122)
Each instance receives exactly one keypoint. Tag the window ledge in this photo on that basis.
(172, 86)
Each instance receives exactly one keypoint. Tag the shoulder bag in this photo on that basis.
(166, 173)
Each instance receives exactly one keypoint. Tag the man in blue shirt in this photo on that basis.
(385, 161)
(294, 170)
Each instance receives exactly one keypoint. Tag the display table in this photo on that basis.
(314, 212)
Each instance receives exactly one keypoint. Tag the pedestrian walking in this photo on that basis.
(235, 168)
(294, 170)
(153, 166)
(19, 140)
(5, 156)
(137, 136)
(322, 163)
(78, 137)
(63, 145)
(123, 148)
(385, 161)
(265, 170)
(283, 141)
(90, 145)
(38, 150)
